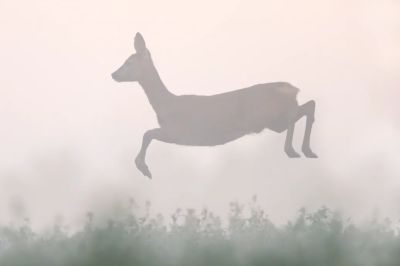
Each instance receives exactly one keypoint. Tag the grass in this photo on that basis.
(199, 238)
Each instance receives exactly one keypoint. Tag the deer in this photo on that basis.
(210, 120)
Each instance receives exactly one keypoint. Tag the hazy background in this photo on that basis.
(69, 133)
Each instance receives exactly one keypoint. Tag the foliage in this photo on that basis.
(193, 238)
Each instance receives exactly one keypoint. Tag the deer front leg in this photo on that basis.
(140, 160)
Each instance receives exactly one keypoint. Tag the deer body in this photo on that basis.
(215, 119)
(218, 119)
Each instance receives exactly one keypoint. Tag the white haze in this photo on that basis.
(70, 133)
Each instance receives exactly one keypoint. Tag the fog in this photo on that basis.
(70, 133)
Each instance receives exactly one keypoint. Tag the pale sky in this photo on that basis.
(70, 133)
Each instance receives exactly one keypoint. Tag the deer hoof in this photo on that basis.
(309, 153)
(291, 153)
(142, 167)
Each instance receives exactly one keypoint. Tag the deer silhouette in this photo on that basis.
(200, 120)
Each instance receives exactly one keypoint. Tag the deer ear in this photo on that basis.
(140, 45)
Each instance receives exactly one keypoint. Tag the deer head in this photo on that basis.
(136, 65)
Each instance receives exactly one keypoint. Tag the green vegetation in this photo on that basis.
(193, 238)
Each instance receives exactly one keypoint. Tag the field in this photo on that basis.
(199, 238)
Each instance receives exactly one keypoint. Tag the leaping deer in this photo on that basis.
(198, 120)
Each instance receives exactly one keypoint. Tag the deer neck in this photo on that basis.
(159, 96)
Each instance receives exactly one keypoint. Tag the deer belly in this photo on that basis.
(201, 135)
(212, 133)
(217, 126)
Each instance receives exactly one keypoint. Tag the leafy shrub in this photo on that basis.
(193, 238)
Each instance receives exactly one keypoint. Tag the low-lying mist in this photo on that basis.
(246, 236)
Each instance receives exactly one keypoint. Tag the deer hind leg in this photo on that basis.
(308, 110)
(289, 150)
(140, 160)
